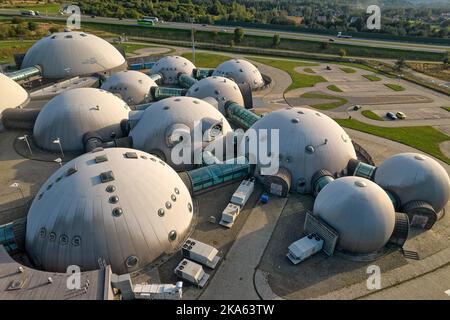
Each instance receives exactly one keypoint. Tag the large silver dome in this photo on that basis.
(161, 126)
(171, 67)
(70, 54)
(241, 71)
(360, 211)
(75, 112)
(222, 89)
(123, 206)
(308, 142)
(132, 86)
(413, 177)
(12, 95)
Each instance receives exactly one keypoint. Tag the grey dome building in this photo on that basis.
(12, 95)
(132, 86)
(121, 206)
(75, 112)
(309, 141)
(415, 177)
(222, 89)
(240, 71)
(167, 122)
(70, 54)
(360, 211)
(170, 67)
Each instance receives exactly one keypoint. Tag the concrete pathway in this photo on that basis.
(234, 278)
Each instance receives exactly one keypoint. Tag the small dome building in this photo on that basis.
(71, 54)
(415, 177)
(306, 141)
(222, 89)
(240, 71)
(12, 95)
(171, 121)
(170, 67)
(76, 112)
(132, 86)
(360, 211)
(121, 206)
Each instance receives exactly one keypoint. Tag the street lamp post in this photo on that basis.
(17, 186)
(58, 142)
(25, 138)
(58, 161)
(193, 41)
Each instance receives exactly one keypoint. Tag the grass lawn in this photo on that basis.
(395, 87)
(42, 8)
(206, 60)
(324, 106)
(371, 77)
(299, 80)
(334, 88)
(348, 70)
(9, 48)
(446, 108)
(371, 115)
(309, 70)
(423, 138)
(357, 65)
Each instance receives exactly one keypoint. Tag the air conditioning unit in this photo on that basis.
(243, 192)
(304, 248)
(229, 215)
(159, 291)
(200, 252)
(192, 272)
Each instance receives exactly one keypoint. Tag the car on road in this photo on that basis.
(391, 116)
(356, 107)
(400, 115)
(331, 40)
(328, 68)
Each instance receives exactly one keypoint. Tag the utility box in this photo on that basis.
(302, 249)
(159, 291)
(201, 253)
(192, 272)
(243, 192)
(229, 215)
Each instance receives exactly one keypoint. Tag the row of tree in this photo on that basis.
(399, 17)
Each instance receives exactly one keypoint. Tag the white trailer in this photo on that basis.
(200, 252)
(192, 272)
(302, 249)
(243, 193)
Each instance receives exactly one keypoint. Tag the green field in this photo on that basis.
(299, 80)
(371, 77)
(446, 108)
(9, 48)
(206, 60)
(395, 87)
(334, 88)
(371, 115)
(42, 8)
(309, 70)
(348, 70)
(423, 138)
(265, 42)
(324, 106)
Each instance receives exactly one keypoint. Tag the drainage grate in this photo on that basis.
(410, 254)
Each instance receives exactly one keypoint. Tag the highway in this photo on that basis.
(256, 32)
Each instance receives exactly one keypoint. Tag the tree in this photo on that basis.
(342, 53)
(53, 30)
(324, 45)
(400, 63)
(32, 26)
(16, 20)
(446, 59)
(276, 40)
(238, 35)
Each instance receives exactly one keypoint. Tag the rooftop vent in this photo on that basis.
(102, 158)
(107, 176)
